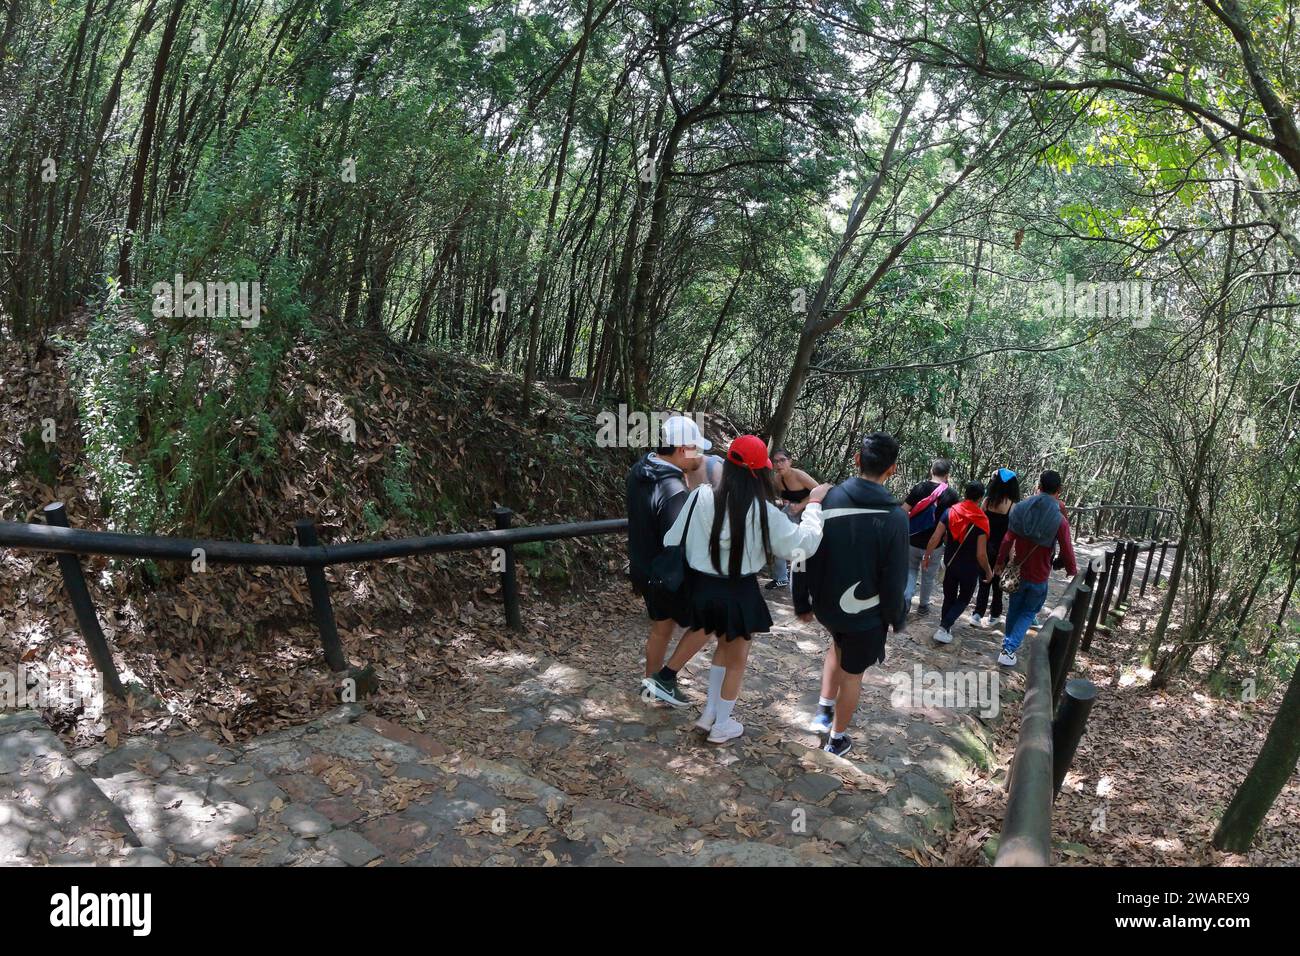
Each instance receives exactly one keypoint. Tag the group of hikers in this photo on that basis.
(701, 527)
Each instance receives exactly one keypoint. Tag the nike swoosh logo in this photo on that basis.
(850, 604)
(829, 513)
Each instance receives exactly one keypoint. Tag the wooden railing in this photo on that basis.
(1055, 707)
(309, 554)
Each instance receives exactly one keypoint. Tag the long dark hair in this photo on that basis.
(1000, 491)
(733, 500)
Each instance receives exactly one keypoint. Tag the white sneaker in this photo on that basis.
(721, 733)
(1007, 660)
(705, 722)
(976, 621)
(942, 636)
(994, 622)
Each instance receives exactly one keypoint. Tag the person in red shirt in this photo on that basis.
(964, 531)
(1028, 544)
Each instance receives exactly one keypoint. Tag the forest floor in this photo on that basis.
(1154, 770)
(543, 752)
(229, 658)
(486, 746)
(234, 648)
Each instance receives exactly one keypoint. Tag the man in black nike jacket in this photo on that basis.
(854, 583)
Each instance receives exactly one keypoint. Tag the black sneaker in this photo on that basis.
(657, 688)
(838, 746)
(775, 584)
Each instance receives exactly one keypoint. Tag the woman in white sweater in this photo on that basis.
(725, 599)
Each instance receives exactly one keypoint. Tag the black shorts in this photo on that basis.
(860, 649)
(662, 605)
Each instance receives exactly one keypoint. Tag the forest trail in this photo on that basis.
(542, 759)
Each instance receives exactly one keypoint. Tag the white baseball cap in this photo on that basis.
(680, 430)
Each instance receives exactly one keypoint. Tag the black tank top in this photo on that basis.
(795, 495)
(997, 531)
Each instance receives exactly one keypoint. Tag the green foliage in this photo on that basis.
(109, 387)
(373, 519)
(397, 483)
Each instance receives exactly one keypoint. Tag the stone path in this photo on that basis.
(549, 759)
(50, 809)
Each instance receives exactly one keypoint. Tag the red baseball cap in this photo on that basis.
(749, 451)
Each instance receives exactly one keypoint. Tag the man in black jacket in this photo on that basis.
(656, 489)
(854, 583)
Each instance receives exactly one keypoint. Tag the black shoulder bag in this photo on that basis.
(668, 569)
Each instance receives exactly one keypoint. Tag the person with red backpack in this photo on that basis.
(925, 502)
(964, 529)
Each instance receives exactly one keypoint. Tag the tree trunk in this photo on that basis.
(793, 386)
(713, 338)
(1286, 602)
(1273, 767)
(544, 266)
(135, 204)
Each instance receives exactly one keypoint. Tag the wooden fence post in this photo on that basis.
(1146, 571)
(1112, 579)
(320, 600)
(74, 582)
(1098, 596)
(1067, 728)
(1130, 565)
(1058, 648)
(509, 583)
(1078, 623)
(1164, 546)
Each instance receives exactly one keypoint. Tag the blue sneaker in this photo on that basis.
(839, 747)
(821, 722)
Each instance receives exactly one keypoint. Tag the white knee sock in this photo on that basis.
(723, 713)
(716, 674)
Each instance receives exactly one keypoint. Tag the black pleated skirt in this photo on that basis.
(727, 608)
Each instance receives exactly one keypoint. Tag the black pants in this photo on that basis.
(982, 599)
(958, 586)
